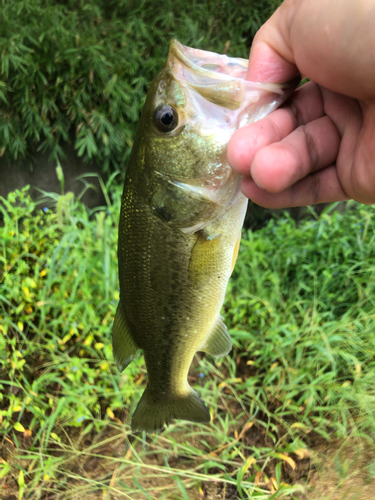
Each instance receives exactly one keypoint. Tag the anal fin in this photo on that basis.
(124, 347)
(218, 343)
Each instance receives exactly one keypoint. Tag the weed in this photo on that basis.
(301, 313)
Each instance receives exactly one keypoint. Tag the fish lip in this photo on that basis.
(180, 52)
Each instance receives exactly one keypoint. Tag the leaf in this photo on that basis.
(299, 425)
(248, 463)
(110, 413)
(19, 427)
(56, 437)
(242, 471)
(182, 488)
(21, 484)
(287, 459)
(278, 474)
(4, 468)
(274, 484)
(302, 453)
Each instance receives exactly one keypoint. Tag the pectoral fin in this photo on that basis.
(124, 347)
(218, 343)
(205, 259)
(235, 253)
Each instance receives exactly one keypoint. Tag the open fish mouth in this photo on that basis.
(208, 65)
(217, 89)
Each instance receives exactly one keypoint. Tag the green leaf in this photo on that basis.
(19, 427)
(21, 485)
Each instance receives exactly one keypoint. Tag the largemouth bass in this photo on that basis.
(180, 225)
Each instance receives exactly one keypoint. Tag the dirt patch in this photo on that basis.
(339, 470)
(345, 470)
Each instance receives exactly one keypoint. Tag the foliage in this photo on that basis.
(79, 70)
(302, 301)
(300, 310)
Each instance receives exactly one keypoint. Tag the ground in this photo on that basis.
(336, 470)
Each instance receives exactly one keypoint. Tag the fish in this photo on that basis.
(181, 218)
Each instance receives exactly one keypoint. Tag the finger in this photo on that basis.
(247, 141)
(312, 36)
(309, 148)
(356, 162)
(271, 56)
(322, 186)
(305, 105)
(266, 65)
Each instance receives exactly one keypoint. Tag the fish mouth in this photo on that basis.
(221, 80)
(220, 66)
(206, 64)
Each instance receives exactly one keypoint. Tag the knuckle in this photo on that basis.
(315, 188)
(296, 112)
(275, 131)
(312, 149)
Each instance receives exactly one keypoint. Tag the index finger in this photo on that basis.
(305, 105)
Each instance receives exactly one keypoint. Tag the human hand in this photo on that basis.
(320, 145)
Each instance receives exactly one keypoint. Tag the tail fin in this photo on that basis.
(152, 414)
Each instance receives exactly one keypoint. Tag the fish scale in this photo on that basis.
(180, 226)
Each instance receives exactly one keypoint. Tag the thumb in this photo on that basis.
(271, 56)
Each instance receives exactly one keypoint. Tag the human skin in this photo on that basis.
(320, 146)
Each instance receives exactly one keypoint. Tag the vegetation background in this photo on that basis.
(292, 406)
(80, 69)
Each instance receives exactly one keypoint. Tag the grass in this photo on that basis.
(301, 313)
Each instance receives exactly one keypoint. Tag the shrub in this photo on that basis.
(79, 70)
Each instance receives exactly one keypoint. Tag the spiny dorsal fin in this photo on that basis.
(124, 347)
(218, 343)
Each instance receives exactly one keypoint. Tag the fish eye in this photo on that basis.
(166, 118)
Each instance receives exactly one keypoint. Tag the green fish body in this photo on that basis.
(180, 225)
